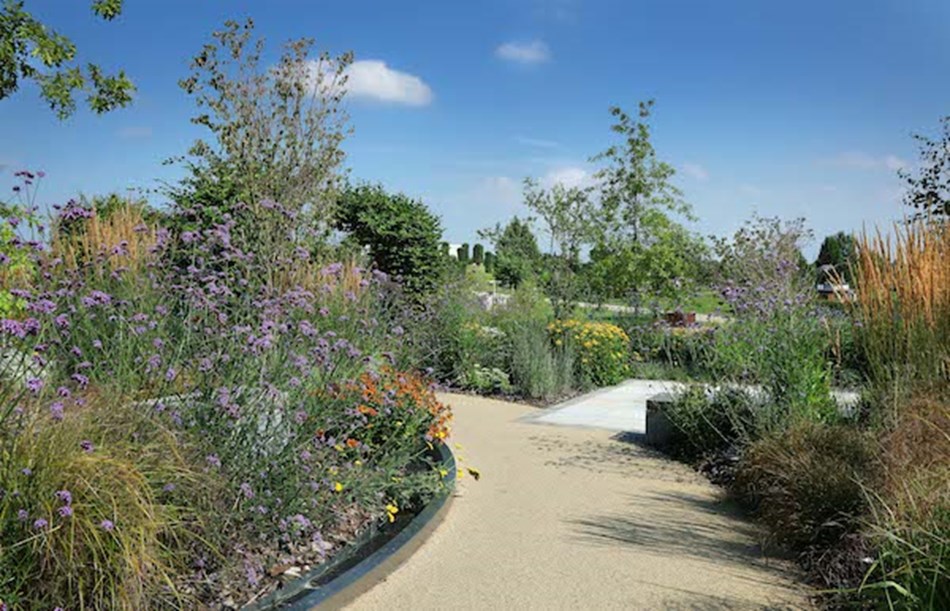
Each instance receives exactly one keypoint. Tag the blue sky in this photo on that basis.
(791, 108)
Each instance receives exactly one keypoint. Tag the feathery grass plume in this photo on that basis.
(902, 304)
(120, 238)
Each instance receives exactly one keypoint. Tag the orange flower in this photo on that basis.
(365, 409)
(352, 443)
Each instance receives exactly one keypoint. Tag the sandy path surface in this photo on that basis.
(566, 518)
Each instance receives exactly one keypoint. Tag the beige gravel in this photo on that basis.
(566, 518)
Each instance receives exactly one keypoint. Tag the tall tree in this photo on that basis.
(570, 219)
(478, 254)
(928, 191)
(837, 250)
(637, 197)
(275, 129)
(517, 255)
(29, 50)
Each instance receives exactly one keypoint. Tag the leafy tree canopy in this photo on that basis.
(402, 235)
(516, 252)
(837, 250)
(29, 50)
(928, 191)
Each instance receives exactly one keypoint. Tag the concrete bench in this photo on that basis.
(658, 425)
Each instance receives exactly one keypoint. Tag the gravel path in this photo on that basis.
(569, 518)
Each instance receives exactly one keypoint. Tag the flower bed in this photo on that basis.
(189, 421)
(603, 349)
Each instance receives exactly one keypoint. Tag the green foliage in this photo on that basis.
(478, 254)
(18, 267)
(569, 217)
(708, 422)
(685, 348)
(837, 250)
(929, 190)
(438, 336)
(486, 380)
(463, 254)
(490, 262)
(517, 256)
(539, 369)
(478, 278)
(806, 483)
(402, 235)
(125, 565)
(276, 132)
(785, 352)
(664, 267)
(25, 41)
(536, 370)
(637, 198)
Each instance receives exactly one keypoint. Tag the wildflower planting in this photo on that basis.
(602, 349)
(215, 410)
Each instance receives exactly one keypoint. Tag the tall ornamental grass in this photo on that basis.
(902, 307)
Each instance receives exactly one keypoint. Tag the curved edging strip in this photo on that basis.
(368, 561)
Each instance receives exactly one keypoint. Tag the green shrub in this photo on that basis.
(486, 380)
(402, 235)
(707, 422)
(807, 484)
(538, 370)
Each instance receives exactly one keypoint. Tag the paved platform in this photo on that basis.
(623, 407)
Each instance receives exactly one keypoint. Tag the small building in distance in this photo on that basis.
(829, 287)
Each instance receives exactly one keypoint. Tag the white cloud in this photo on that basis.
(500, 190)
(694, 170)
(893, 162)
(536, 142)
(534, 52)
(568, 176)
(372, 79)
(859, 160)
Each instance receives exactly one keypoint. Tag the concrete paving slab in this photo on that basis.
(617, 408)
(623, 407)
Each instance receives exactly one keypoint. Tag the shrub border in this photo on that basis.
(368, 560)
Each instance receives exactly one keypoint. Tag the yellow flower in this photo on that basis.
(338, 487)
(391, 511)
(443, 472)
